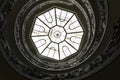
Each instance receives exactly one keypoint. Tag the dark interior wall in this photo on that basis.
(111, 72)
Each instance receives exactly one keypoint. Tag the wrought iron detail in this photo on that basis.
(54, 33)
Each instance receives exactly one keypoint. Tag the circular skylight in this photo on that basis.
(57, 33)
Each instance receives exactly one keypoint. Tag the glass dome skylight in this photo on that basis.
(57, 33)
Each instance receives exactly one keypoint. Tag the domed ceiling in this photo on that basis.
(58, 39)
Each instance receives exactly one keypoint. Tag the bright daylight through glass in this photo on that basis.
(57, 33)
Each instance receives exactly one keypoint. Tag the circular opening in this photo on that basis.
(56, 34)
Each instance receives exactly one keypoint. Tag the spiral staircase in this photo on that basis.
(58, 50)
